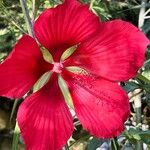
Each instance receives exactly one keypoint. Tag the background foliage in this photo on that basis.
(137, 133)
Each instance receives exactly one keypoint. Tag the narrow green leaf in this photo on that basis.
(95, 143)
(131, 86)
(143, 78)
(65, 91)
(146, 74)
(145, 136)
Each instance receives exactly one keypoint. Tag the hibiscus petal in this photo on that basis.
(116, 53)
(44, 119)
(65, 25)
(101, 106)
(20, 70)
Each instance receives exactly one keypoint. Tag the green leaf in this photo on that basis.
(143, 78)
(132, 135)
(146, 74)
(136, 135)
(147, 63)
(145, 136)
(146, 27)
(131, 86)
(95, 143)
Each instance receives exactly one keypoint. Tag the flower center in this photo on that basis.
(58, 66)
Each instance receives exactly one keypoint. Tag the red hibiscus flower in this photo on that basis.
(104, 53)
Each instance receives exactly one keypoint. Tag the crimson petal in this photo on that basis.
(65, 25)
(20, 70)
(101, 106)
(115, 54)
(44, 119)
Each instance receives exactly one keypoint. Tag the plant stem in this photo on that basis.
(114, 144)
(13, 109)
(66, 147)
(27, 17)
(33, 10)
(146, 12)
(91, 4)
(137, 103)
(147, 17)
(16, 137)
(142, 14)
